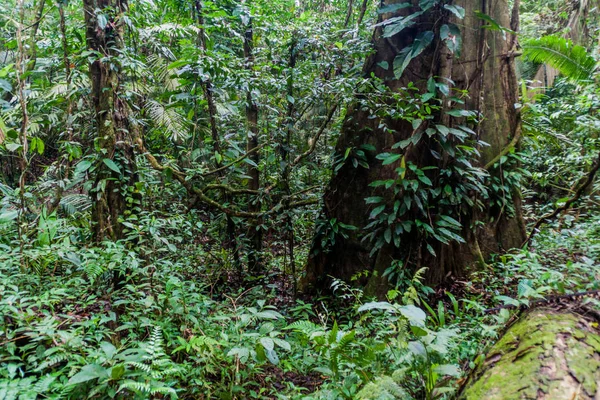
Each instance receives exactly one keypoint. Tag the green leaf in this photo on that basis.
(390, 8)
(572, 61)
(272, 356)
(377, 211)
(111, 164)
(374, 200)
(267, 343)
(83, 166)
(7, 216)
(427, 4)
(87, 373)
(388, 235)
(12, 147)
(419, 332)
(413, 314)
(451, 35)
(443, 130)
(421, 42)
(379, 305)
(283, 344)
(456, 10)
(425, 180)
(117, 372)
(396, 25)
(447, 369)
(392, 158)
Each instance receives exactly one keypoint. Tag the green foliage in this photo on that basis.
(169, 310)
(571, 60)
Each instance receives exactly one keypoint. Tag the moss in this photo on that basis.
(544, 352)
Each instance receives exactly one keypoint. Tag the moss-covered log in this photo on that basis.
(546, 354)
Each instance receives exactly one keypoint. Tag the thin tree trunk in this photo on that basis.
(348, 13)
(285, 158)
(23, 161)
(33, 39)
(363, 10)
(68, 111)
(216, 142)
(254, 232)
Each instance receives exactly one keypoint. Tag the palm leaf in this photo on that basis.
(571, 60)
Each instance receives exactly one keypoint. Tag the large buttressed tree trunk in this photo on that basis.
(483, 75)
(116, 173)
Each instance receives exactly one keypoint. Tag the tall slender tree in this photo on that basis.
(430, 180)
(116, 173)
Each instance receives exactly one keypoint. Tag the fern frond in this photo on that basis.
(168, 119)
(75, 203)
(53, 360)
(304, 326)
(571, 60)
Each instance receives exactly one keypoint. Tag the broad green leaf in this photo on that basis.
(413, 314)
(390, 8)
(421, 42)
(111, 164)
(456, 10)
(379, 305)
(267, 343)
(87, 373)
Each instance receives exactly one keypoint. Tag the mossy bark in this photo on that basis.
(113, 193)
(545, 355)
(486, 71)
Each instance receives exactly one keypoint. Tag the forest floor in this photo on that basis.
(174, 331)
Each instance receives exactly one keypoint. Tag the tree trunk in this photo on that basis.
(545, 355)
(254, 232)
(117, 172)
(485, 71)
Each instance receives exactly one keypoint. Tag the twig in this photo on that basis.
(568, 203)
(546, 300)
(237, 160)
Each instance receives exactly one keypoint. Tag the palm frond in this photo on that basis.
(168, 119)
(75, 203)
(571, 60)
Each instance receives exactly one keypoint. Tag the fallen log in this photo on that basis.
(547, 353)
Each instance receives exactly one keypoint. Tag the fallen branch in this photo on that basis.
(568, 203)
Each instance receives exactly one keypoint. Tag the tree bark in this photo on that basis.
(254, 232)
(546, 354)
(485, 70)
(114, 139)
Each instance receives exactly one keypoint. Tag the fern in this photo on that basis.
(168, 119)
(306, 327)
(383, 388)
(75, 203)
(572, 61)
